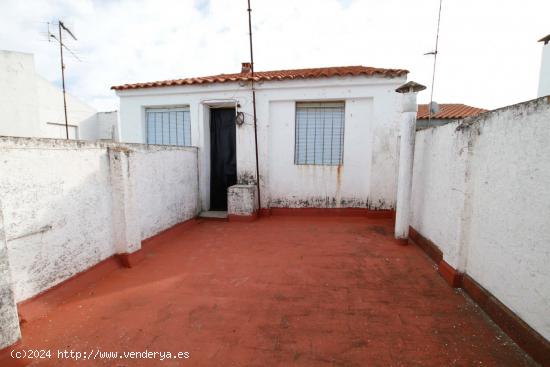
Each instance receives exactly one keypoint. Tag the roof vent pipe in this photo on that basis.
(406, 155)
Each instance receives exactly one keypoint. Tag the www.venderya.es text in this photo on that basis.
(96, 354)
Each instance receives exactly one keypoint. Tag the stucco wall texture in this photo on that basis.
(166, 183)
(9, 320)
(65, 205)
(242, 200)
(481, 192)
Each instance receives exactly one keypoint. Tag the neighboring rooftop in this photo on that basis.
(245, 75)
(449, 111)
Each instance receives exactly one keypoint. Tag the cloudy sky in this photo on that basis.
(488, 51)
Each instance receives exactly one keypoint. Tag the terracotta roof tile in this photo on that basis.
(449, 111)
(273, 75)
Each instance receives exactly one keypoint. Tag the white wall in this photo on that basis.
(510, 214)
(9, 320)
(481, 192)
(199, 99)
(33, 107)
(167, 189)
(367, 177)
(50, 110)
(438, 188)
(59, 131)
(107, 125)
(18, 95)
(58, 203)
(292, 185)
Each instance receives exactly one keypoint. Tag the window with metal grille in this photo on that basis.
(168, 126)
(319, 133)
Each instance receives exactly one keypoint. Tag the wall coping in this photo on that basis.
(15, 142)
(467, 122)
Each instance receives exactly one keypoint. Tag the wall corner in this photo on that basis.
(9, 317)
(126, 226)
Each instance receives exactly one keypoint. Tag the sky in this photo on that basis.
(488, 51)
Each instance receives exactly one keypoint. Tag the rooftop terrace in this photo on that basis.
(279, 291)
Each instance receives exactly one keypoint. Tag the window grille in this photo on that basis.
(319, 133)
(168, 126)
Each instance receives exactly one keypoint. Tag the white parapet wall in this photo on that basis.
(56, 201)
(67, 206)
(9, 321)
(481, 193)
(438, 189)
(167, 187)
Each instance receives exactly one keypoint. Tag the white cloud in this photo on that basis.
(488, 57)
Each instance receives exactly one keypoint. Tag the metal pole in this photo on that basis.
(435, 62)
(254, 106)
(63, 79)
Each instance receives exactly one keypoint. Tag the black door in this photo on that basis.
(223, 159)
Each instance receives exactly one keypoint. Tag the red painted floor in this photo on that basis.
(281, 291)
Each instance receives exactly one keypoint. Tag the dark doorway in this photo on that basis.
(223, 157)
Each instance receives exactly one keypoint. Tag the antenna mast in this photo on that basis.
(435, 62)
(61, 27)
(254, 105)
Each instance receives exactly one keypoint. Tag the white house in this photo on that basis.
(326, 137)
(33, 107)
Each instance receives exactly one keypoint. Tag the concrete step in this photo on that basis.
(213, 215)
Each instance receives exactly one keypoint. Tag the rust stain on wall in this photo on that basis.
(338, 177)
(338, 182)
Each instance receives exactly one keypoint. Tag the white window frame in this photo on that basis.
(171, 132)
(319, 149)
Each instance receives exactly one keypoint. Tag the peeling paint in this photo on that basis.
(9, 321)
(241, 200)
(246, 178)
(517, 111)
(329, 202)
(481, 193)
(60, 209)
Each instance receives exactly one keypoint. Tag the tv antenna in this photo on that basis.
(431, 109)
(63, 28)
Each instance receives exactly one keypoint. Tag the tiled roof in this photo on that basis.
(273, 75)
(449, 111)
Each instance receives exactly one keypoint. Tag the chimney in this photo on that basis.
(409, 110)
(246, 68)
(544, 78)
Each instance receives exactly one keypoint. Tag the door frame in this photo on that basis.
(203, 142)
(233, 105)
